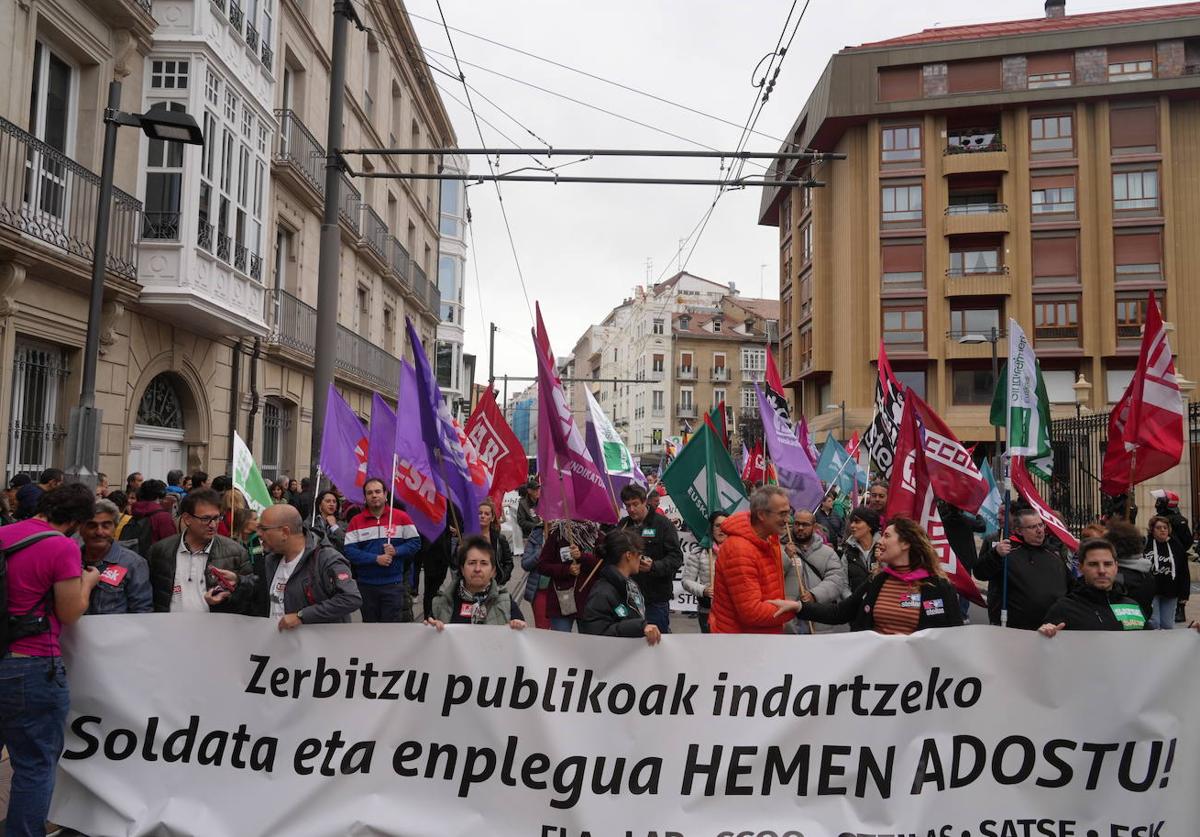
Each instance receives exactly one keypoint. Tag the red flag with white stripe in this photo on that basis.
(1024, 486)
(1145, 429)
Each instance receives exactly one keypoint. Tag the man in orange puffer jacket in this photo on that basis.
(748, 587)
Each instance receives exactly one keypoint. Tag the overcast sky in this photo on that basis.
(583, 247)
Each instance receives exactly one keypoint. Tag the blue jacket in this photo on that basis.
(365, 536)
(131, 593)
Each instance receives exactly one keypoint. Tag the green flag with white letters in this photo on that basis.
(702, 480)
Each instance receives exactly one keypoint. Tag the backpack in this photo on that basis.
(14, 626)
(138, 535)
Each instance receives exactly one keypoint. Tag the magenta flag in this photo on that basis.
(572, 485)
(806, 442)
(796, 474)
(344, 447)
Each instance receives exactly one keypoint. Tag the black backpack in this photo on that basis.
(14, 626)
(138, 535)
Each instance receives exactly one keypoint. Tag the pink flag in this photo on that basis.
(806, 441)
(1024, 486)
(572, 485)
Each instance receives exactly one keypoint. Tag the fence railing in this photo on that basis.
(349, 201)
(296, 327)
(50, 197)
(300, 149)
(375, 233)
(399, 262)
(295, 323)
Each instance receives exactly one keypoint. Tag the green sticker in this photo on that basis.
(1130, 616)
(621, 611)
(649, 533)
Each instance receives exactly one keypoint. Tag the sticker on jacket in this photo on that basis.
(1130, 616)
(649, 532)
(621, 611)
(934, 607)
(113, 574)
(912, 600)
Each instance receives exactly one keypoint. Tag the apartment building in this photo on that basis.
(389, 228)
(450, 362)
(1037, 169)
(207, 325)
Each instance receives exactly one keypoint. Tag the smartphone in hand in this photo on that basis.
(219, 580)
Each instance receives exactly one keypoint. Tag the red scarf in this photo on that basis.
(907, 577)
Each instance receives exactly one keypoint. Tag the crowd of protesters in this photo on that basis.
(188, 544)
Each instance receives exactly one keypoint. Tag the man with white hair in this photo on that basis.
(124, 585)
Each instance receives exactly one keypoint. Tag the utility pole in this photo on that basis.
(328, 264)
(491, 352)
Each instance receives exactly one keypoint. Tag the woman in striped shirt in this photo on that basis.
(907, 592)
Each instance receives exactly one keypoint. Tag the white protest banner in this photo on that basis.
(221, 725)
(685, 602)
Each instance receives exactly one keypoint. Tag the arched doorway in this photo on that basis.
(157, 445)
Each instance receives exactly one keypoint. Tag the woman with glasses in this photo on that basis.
(198, 570)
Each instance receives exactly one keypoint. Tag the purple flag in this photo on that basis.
(446, 454)
(577, 489)
(416, 485)
(796, 474)
(806, 441)
(383, 440)
(344, 447)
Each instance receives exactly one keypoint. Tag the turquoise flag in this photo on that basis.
(833, 468)
(990, 510)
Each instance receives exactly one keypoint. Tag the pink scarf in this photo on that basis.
(908, 577)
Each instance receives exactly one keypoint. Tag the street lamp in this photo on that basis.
(973, 339)
(83, 435)
(840, 406)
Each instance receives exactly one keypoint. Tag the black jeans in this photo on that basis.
(386, 603)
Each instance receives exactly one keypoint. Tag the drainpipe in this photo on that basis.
(235, 384)
(254, 356)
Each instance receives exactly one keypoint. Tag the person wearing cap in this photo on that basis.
(527, 516)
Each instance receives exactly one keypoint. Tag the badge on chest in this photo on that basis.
(113, 575)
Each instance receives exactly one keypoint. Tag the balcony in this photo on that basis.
(753, 376)
(160, 226)
(375, 235)
(720, 374)
(49, 199)
(686, 373)
(685, 411)
(349, 201)
(978, 281)
(235, 16)
(268, 56)
(974, 150)
(251, 37)
(657, 412)
(296, 328)
(299, 154)
(400, 262)
(976, 219)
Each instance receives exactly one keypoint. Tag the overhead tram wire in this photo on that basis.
(588, 105)
(478, 130)
(595, 77)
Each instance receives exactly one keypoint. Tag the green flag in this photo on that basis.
(702, 479)
(247, 478)
(1020, 404)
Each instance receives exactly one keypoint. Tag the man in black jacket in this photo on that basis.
(1097, 602)
(662, 556)
(1037, 576)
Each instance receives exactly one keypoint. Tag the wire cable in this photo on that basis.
(478, 130)
(595, 77)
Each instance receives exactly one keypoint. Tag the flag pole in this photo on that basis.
(1006, 462)
(316, 495)
(1132, 471)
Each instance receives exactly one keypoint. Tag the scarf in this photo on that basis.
(581, 533)
(908, 577)
(479, 607)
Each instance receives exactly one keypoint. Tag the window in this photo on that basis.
(685, 323)
(1055, 259)
(754, 360)
(899, 83)
(212, 88)
(658, 325)
(656, 401)
(1138, 256)
(806, 300)
(166, 74)
(363, 310)
(1135, 189)
(972, 387)
(785, 217)
(902, 203)
(806, 244)
(716, 325)
(901, 144)
(657, 362)
(1131, 63)
(975, 260)
(904, 324)
(974, 76)
(1116, 381)
(444, 364)
(903, 264)
(749, 399)
(718, 396)
(1133, 129)
(51, 120)
(806, 348)
(685, 362)
(1056, 320)
(277, 426)
(1051, 134)
(231, 106)
(1060, 385)
(247, 123)
(285, 261)
(1053, 194)
(1131, 316)
(164, 184)
(685, 398)
(974, 321)
(34, 425)
(1049, 69)
(719, 363)
(913, 379)
(397, 125)
(370, 75)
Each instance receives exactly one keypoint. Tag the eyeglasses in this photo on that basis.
(208, 519)
(1033, 527)
(260, 528)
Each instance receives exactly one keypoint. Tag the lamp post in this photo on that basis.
(840, 406)
(83, 433)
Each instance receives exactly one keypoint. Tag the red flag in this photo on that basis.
(911, 494)
(955, 477)
(1147, 422)
(753, 471)
(1025, 487)
(500, 451)
(773, 379)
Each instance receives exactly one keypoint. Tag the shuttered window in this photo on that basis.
(903, 265)
(1053, 194)
(1133, 130)
(1056, 259)
(899, 83)
(1131, 62)
(975, 76)
(1050, 69)
(1138, 256)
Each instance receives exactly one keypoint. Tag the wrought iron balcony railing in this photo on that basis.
(299, 148)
